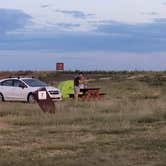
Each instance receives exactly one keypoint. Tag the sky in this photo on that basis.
(84, 34)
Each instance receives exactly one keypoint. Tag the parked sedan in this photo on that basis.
(22, 88)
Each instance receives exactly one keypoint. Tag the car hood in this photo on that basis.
(48, 88)
(51, 88)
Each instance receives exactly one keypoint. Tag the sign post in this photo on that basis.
(44, 101)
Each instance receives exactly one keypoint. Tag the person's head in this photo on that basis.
(81, 74)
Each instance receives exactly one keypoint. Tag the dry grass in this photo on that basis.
(127, 128)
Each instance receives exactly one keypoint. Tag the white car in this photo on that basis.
(21, 89)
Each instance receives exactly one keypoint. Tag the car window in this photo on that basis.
(35, 83)
(18, 83)
(7, 83)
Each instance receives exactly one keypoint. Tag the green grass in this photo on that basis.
(126, 128)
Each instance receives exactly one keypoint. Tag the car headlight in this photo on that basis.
(52, 92)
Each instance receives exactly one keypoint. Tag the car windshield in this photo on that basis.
(34, 83)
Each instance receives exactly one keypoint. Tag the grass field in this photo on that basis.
(127, 128)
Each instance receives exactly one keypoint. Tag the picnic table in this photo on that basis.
(89, 93)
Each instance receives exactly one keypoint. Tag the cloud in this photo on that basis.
(150, 13)
(156, 29)
(67, 25)
(108, 36)
(11, 20)
(44, 6)
(75, 13)
(160, 20)
(135, 37)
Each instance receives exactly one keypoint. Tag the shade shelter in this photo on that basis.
(66, 87)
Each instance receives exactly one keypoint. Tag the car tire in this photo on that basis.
(31, 98)
(1, 97)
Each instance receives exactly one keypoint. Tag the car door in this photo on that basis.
(6, 89)
(20, 91)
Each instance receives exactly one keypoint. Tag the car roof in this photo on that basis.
(26, 78)
(16, 78)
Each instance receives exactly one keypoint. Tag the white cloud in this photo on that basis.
(129, 11)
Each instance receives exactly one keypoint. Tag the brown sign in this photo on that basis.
(44, 101)
(60, 66)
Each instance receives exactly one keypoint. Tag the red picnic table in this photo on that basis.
(89, 93)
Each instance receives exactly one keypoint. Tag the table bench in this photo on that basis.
(89, 93)
(72, 95)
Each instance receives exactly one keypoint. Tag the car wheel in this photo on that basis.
(31, 99)
(1, 97)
